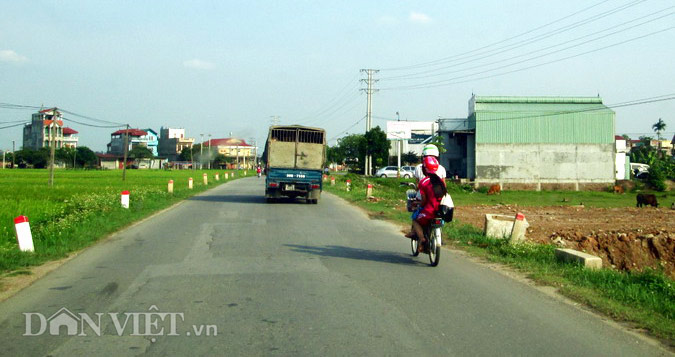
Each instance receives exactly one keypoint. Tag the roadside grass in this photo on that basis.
(645, 300)
(82, 207)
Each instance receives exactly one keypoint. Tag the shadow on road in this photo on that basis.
(230, 198)
(355, 253)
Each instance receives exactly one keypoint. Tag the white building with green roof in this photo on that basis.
(532, 143)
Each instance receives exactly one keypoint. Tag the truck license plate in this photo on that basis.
(290, 187)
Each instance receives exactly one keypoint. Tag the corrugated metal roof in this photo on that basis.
(580, 120)
(537, 99)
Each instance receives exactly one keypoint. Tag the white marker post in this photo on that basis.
(217, 177)
(125, 199)
(349, 185)
(206, 179)
(170, 187)
(369, 190)
(190, 183)
(23, 235)
(227, 176)
(332, 181)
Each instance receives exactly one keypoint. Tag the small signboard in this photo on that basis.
(398, 130)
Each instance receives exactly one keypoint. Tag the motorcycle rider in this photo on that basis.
(432, 189)
(429, 150)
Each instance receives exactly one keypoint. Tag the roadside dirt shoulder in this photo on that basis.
(625, 238)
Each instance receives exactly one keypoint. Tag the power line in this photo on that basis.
(349, 128)
(335, 101)
(12, 126)
(465, 54)
(93, 125)
(451, 81)
(338, 110)
(90, 118)
(413, 76)
(660, 98)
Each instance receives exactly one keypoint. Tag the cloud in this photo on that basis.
(198, 64)
(420, 18)
(11, 56)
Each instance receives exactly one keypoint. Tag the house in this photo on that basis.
(235, 149)
(115, 162)
(45, 126)
(172, 141)
(136, 137)
(533, 143)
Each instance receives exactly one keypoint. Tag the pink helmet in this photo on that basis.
(430, 164)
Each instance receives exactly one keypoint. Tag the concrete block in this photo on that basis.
(587, 260)
(498, 226)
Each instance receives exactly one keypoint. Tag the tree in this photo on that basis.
(658, 127)
(377, 146)
(140, 152)
(85, 157)
(410, 157)
(190, 153)
(438, 141)
(66, 155)
(221, 160)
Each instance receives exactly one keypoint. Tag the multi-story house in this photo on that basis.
(46, 125)
(172, 141)
(237, 149)
(137, 137)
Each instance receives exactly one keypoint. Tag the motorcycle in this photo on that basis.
(432, 232)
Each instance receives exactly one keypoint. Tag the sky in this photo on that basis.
(227, 67)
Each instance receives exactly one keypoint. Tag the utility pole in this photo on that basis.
(201, 151)
(275, 119)
(255, 148)
(13, 153)
(52, 149)
(399, 142)
(369, 115)
(126, 152)
(209, 153)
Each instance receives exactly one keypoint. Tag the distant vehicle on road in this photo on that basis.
(295, 156)
(391, 171)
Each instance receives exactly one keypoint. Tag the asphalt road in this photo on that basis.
(289, 279)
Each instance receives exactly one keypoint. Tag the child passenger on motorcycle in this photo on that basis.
(432, 188)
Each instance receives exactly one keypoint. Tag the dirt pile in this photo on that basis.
(625, 238)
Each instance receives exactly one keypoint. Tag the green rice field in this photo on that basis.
(83, 206)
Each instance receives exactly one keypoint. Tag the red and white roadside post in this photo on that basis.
(349, 185)
(519, 229)
(23, 235)
(332, 181)
(227, 176)
(170, 186)
(190, 183)
(217, 176)
(369, 190)
(125, 199)
(206, 179)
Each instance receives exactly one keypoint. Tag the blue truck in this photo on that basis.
(294, 157)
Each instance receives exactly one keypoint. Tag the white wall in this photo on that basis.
(550, 163)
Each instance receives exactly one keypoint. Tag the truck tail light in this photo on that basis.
(315, 186)
(274, 184)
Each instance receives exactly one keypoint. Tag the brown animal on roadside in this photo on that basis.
(646, 199)
(618, 189)
(495, 190)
